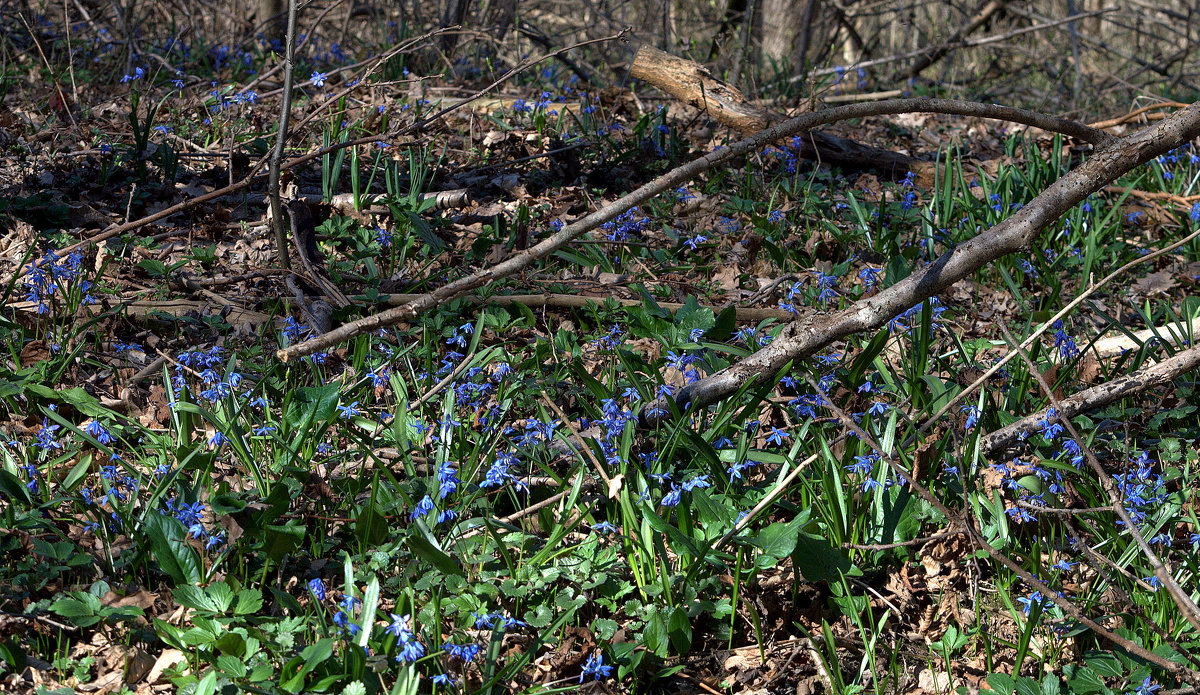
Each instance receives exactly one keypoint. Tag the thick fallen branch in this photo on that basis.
(693, 84)
(1096, 397)
(670, 181)
(810, 333)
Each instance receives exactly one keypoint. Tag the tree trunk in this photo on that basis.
(780, 30)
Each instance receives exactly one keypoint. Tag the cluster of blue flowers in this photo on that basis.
(56, 282)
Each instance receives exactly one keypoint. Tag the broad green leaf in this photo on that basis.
(175, 556)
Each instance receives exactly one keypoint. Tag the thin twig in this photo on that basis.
(1182, 600)
(285, 111)
(982, 543)
(681, 175)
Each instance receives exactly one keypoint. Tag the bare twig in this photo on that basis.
(811, 333)
(686, 172)
(1182, 600)
(285, 114)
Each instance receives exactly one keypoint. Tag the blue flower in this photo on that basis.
(343, 621)
(597, 669)
(972, 416)
(462, 652)
(423, 507)
(399, 625)
(97, 430)
(348, 411)
(1146, 688)
(318, 78)
(1027, 602)
(317, 587)
(45, 437)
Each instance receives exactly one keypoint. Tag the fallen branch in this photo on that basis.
(1096, 397)
(1132, 115)
(1177, 333)
(672, 180)
(810, 333)
(693, 84)
(1046, 325)
(255, 172)
(1182, 600)
(964, 522)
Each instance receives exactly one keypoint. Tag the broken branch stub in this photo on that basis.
(810, 333)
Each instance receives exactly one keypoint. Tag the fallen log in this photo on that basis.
(693, 84)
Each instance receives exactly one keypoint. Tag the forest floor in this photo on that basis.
(466, 499)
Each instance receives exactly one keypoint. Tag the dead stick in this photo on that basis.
(811, 333)
(668, 181)
(297, 161)
(1096, 397)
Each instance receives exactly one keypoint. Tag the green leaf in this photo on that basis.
(249, 601)
(168, 539)
(231, 665)
(691, 316)
(605, 628)
(1105, 665)
(679, 630)
(13, 488)
(425, 548)
(79, 604)
(312, 404)
(818, 560)
(776, 542)
(654, 636)
(231, 644)
(1001, 683)
(279, 540)
(539, 617)
(83, 401)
